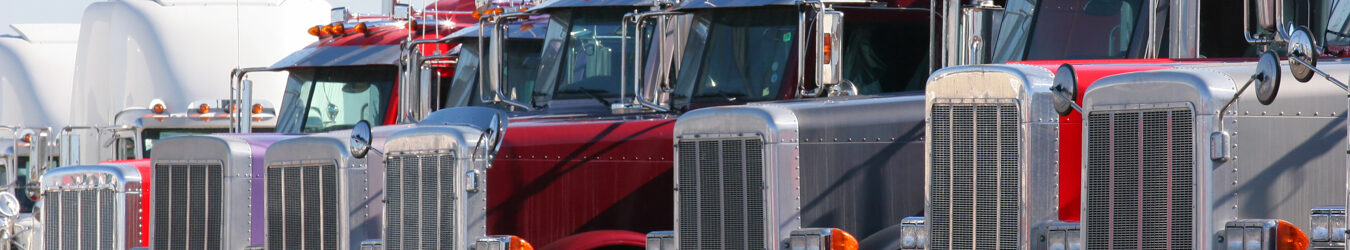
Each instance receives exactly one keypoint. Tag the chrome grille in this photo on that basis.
(187, 206)
(975, 179)
(80, 219)
(302, 207)
(421, 194)
(1139, 179)
(722, 189)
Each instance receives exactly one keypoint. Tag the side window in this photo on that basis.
(883, 56)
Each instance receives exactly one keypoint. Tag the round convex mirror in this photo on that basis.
(1301, 46)
(1065, 84)
(9, 205)
(1267, 78)
(360, 140)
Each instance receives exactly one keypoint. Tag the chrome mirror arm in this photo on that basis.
(637, 19)
(1324, 74)
(497, 59)
(1060, 94)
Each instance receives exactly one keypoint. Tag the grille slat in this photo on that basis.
(80, 219)
(422, 202)
(721, 184)
(975, 185)
(1139, 177)
(302, 206)
(187, 207)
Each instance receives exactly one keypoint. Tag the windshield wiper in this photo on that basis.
(590, 93)
(731, 97)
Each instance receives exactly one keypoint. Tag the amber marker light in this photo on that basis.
(315, 31)
(840, 240)
(828, 47)
(28, 138)
(257, 108)
(158, 108)
(1290, 236)
(361, 28)
(203, 108)
(518, 243)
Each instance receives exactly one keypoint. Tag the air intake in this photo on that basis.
(1140, 179)
(422, 202)
(721, 194)
(302, 208)
(187, 206)
(975, 185)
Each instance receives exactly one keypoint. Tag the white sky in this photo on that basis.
(69, 11)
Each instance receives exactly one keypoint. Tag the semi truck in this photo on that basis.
(1031, 189)
(361, 68)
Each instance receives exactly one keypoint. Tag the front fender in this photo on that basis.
(599, 238)
(888, 238)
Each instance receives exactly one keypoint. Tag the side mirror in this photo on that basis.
(1302, 54)
(338, 14)
(1268, 18)
(1268, 77)
(829, 35)
(1266, 14)
(496, 59)
(9, 204)
(402, 10)
(1066, 87)
(360, 140)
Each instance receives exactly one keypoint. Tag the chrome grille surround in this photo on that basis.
(302, 209)
(346, 191)
(777, 128)
(183, 168)
(92, 207)
(1137, 148)
(433, 200)
(723, 190)
(992, 156)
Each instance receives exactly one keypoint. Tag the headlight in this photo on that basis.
(1263, 234)
(661, 240)
(502, 242)
(821, 239)
(913, 233)
(1328, 226)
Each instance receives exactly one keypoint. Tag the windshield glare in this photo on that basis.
(1075, 29)
(739, 57)
(326, 99)
(591, 59)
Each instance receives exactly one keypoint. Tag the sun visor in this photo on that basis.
(340, 56)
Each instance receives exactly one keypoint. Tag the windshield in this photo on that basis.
(150, 136)
(522, 59)
(589, 63)
(335, 98)
(1082, 29)
(735, 57)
